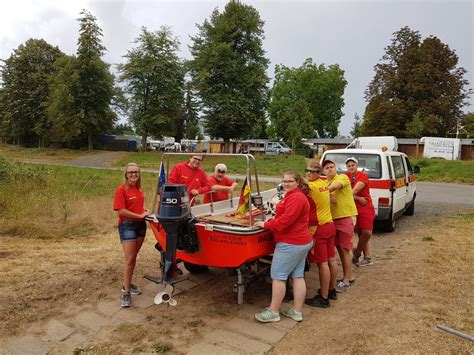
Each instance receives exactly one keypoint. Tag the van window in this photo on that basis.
(368, 163)
(390, 172)
(410, 169)
(398, 167)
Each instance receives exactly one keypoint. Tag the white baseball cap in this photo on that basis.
(352, 159)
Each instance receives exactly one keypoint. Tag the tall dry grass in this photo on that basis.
(58, 240)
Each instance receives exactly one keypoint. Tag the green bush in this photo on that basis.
(14, 171)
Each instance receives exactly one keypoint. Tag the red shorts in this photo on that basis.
(365, 218)
(344, 232)
(323, 247)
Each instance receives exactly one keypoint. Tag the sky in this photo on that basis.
(351, 33)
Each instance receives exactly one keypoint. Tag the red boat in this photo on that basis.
(213, 235)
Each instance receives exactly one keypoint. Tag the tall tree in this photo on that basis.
(356, 130)
(229, 71)
(65, 116)
(153, 76)
(25, 92)
(308, 98)
(191, 114)
(415, 75)
(96, 82)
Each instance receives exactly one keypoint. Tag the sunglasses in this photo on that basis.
(288, 181)
(221, 171)
(133, 172)
(310, 171)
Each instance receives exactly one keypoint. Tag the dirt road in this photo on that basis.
(393, 306)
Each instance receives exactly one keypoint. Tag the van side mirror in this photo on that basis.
(416, 169)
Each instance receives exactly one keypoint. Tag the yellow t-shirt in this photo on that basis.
(320, 195)
(345, 205)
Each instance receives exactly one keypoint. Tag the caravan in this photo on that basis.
(441, 148)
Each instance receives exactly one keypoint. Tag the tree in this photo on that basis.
(153, 76)
(122, 129)
(25, 92)
(356, 130)
(64, 114)
(191, 115)
(415, 75)
(306, 101)
(467, 125)
(228, 71)
(415, 129)
(96, 82)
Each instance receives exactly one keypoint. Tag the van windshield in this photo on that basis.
(368, 163)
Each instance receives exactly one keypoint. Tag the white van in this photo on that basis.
(391, 181)
(276, 148)
(265, 146)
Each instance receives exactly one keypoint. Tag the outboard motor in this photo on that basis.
(174, 214)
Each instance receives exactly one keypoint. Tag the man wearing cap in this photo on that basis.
(322, 252)
(365, 211)
(222, 187)
(190, 174)
(343, 211)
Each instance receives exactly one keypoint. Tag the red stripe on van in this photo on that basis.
(379, 184)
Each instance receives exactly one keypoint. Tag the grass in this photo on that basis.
(41, 154)
(162, 347)
(266, 165)
(450, 171)
(432, 170)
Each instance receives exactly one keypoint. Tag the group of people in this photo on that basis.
(129, 204)
(315, 217)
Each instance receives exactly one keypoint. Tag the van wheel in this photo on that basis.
(388, 225)
(411, 209)
(194, 268)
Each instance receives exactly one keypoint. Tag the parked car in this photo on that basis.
(392, 181)
(173, 147)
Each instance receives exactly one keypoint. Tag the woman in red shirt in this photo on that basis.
(293, 242)
(129, 202)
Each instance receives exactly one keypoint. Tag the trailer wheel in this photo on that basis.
(194, 268)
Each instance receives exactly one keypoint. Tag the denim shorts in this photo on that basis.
(131, 230)
(288, 260)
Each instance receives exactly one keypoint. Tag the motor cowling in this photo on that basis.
(174, 207)
(173, 215)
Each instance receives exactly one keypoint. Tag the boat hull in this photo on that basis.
(219, 248)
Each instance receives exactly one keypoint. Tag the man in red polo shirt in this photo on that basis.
(222, 186)
(190, 174)
(365, 211)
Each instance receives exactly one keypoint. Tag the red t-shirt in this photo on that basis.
(313, 212)
(194, 179)
(130, 199)
(290, 224)
(365, 192)
(218, 195)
